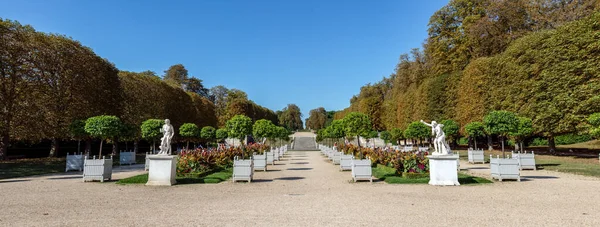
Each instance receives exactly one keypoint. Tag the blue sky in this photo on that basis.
(311, 53)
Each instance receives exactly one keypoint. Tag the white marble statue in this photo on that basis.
(165, 142)
(439, 142)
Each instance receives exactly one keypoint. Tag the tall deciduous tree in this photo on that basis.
(317, 119)
(291, 117)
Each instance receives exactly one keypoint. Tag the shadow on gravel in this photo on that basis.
(64, 178)
(13, 181)
(262, 180)
(478, 168)
(539, 177)
(273, 170)
(298, 158)
(300, 163)
(299, 168)
(289, 178)
(279, 164)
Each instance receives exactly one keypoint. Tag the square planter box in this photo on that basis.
(346, 162)
(527, 161)
(423, 149)
(361, 170)
(260, 162)
(97, 169)
(75, 162)
(505, 168)
(243, 169)
(476, 156)
(407, 148)
(336, 158)
(275, 154)
(126, 158)
(270, 157)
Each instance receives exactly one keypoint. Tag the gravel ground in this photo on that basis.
(302, 190)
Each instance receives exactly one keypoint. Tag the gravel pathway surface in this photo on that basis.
(303, 189)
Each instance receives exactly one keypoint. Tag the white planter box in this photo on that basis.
(336, 158)
(260, 162)
(243, 170)
(476, 156)
(75, 162)
(97, 169)
(270, 158)
(361, 170)
(407, 148)
(346, 162)
(275, 154)
(505, 168)
(126, 158)
(527, 161)
(423, 149)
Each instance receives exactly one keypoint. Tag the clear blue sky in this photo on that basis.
(311, 53)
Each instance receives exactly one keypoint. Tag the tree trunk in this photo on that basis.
(475, 142)
(54, 147)
(490, 147)
(4, 146)
(100, 152)
(115, 146)
(135, 146)
(517, 146)
(502, 141)
(551, 145)
(522, 144)
(153, 146)
(358, 141)
(78, 146)
(88, 146)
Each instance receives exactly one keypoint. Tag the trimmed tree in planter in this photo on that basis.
(282, 134)
(357, 124)
(475, 129)
(451, 129)
(239, 127)
(221, 134)
(77, 131)
(103, 127)
(523, 130)
(151, 131)
(417, 130)
(397, 134)
(500, 123)
(385, 136)
(208, 133)
(264, 129)
(189, 131)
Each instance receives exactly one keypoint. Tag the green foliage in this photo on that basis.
(572, 139)
(209, 133)
(103, 127)
(397, 134)
(357, 124)
(463, 141)
(336, 129)
(475, 129)
(239, 127)
(317, 119)
(385, 136)
(594, 120)
(417, 130)
(500, 123)
(291, 117)
(524, 129)
(451, 129)
(151, 129)
(264, 129)
(189, 130)
(372, 134)
(539, 142)
(221, 133)
(77, 129)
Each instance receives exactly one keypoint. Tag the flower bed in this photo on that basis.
(199, 161)
(403, 162)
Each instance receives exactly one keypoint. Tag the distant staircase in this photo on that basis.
(304, 144)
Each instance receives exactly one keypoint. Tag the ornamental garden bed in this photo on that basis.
(390, 176)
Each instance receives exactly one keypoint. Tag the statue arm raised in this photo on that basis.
(426, 123)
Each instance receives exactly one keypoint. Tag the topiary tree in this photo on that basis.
(264, 129)
(385, 136)
(397, 134)
(103, 127)
(239, 127)
(417, 130)
(357, 124)
(221, 134)
(500, 123)
(209, 133)
(371, 135)
(451, 129)
(77, 131)
(524, 129)
(475, 129)
(129, 133)
(151, 131)
(283, 134)
(594, 121)
(189, 131)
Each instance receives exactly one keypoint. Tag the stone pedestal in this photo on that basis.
(162, 171)
(442, 169)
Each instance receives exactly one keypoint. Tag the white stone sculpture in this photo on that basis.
(439, 143)
(165, 142)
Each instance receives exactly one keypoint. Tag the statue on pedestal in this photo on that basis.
(165, 142)
(439, 142)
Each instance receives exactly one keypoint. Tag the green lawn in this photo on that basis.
(389, 175)
(30, 167)
(209, 178)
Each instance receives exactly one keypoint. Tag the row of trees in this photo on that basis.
(534, 58)
(50, 84)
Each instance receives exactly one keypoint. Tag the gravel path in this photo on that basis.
(301, 190)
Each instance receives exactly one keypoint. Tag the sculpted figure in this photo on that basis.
(439, 142)
(165, 142)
